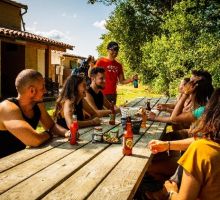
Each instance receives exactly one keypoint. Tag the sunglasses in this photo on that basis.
(114, 49)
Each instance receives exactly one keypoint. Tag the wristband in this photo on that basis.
(168, 151)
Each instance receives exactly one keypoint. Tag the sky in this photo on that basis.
(70, 21)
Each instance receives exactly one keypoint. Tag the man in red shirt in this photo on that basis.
(113, 72)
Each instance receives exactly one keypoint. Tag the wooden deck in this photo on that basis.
(88, 170)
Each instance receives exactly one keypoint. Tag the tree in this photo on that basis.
(189, 40)
(166, 38)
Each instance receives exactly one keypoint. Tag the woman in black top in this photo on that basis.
(71, 101)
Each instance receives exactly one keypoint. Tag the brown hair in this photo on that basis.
(69, 91)
(209, 124)
(25, 78)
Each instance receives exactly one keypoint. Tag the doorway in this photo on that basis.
(12, 62)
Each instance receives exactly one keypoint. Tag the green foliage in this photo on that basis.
(165, 40)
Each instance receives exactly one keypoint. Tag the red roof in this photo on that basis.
(16, 34)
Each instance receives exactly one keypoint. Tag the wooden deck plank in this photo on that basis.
(90, 175)
(47, 161)
(24, 155)
(21, 172)
(111, 187)
(125, 178)
(55, 173)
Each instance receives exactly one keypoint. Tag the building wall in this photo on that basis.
(31, 57)
(68, 60)
(10, 16)
(41, 61)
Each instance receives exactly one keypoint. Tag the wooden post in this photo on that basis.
(47, 61)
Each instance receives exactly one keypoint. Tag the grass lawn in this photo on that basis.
(125, 92)
(128, 92)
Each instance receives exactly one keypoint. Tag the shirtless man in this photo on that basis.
(20, 116)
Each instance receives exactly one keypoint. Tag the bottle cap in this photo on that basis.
(74, 117)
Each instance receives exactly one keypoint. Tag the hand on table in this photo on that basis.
(157, 146)
(67, 134)
(161, 107)
(151, 116)
(96, 121)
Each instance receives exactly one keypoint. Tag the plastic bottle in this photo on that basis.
(128, 138)
(135, 83)
(74, 133)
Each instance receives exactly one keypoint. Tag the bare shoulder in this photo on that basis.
(9, 110)
(8, 107)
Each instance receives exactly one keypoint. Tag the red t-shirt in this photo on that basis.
(112, 71)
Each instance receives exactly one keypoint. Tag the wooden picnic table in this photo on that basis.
(88, 170)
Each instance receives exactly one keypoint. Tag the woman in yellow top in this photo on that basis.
(201, 174)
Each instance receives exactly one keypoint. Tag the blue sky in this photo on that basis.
(71, 21)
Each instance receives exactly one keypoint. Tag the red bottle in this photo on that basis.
(128, 138)
(74, 131)
(112, 115)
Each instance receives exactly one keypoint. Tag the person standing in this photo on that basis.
(113, 72)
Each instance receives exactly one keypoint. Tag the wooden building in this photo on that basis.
(20, 49)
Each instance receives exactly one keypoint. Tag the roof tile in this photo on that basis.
(30, 36)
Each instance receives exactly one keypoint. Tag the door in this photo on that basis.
(12, 62)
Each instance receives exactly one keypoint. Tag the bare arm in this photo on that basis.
(91, 102)
(68, 111)
(189, 189)
(186, 117)
(49, 124)
(157, 146)
(179, 106)
(122, 79)
(13, 121)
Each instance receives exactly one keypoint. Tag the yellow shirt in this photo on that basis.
(202, 161)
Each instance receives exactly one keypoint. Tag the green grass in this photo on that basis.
(128, 92)
(125, 93)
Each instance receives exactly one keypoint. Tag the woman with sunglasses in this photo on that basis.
(71, 101)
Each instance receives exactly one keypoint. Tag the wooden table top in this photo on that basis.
(88, 170)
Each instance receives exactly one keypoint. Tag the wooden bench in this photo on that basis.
(59, 170)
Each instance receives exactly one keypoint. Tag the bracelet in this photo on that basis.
(168, 151)
(170, 194)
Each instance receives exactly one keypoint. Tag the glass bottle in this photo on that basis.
(128, 138)
(74, 131)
